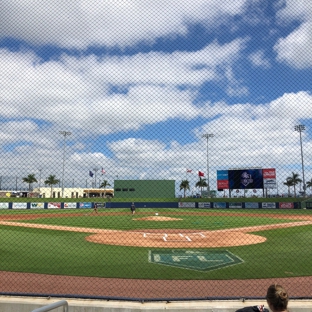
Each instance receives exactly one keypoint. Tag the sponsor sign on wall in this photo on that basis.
(286, 205)
(204, 205)
(251, 205)
(19, 205)
(268, 205)
(186, 205)
(101, 205)
(54, 205)
(37, 205)
(219, 205)
(70, 205)
(4, 205)
(235, 205)
(85, 205)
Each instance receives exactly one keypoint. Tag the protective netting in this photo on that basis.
(155, 149)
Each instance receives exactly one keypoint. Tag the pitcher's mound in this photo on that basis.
(156, 218)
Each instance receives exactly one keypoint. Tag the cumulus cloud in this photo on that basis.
(244, 135)
(258, 59)
(76, 91)
(295, 48)
(110, 23)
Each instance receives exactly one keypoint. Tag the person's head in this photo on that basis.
(277, 298)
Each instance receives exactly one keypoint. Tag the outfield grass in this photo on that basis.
(105, 219)
(286, 253)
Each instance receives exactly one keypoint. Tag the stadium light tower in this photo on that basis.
(207, 136)
(65, 134)
(301, 128)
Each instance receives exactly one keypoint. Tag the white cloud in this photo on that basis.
(74, 91)
(258, 59)
(245, 135)
(78, 24)
(295, 48)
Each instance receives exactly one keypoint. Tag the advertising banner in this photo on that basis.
(36, 205)
(219, 205)
(19, 205)
(251, 205)
(222, 180)
(101, 205)
(85, 205)
(246, 179)
(222, 175)
(222, 184)
(269, 178)
(269, 173)
(286, 205)
(204, 205)
(186, 205)
(4, 205)
(54, 205)
(235, 205)
(269, 183)
(268, 205)
(70, 205)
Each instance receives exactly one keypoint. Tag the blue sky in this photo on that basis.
(137, 83)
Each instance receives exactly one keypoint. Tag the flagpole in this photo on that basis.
(65, 134)
(95, 170)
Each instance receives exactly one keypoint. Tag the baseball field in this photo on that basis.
(173, 245)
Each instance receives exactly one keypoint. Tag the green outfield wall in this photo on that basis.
(144, 188)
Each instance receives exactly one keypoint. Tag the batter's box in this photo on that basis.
(153, 235)
(176, 238)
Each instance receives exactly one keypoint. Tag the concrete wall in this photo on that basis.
(27, 304)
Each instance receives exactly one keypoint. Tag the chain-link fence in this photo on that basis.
(155, 150)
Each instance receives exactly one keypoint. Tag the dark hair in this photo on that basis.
(277, 297)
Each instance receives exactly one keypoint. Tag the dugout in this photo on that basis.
(144, 188)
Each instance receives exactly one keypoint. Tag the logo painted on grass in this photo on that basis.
(194, 260)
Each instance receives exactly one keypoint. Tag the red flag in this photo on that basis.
(189, 170)
(201, 174)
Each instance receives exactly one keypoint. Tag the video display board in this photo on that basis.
(246, 179)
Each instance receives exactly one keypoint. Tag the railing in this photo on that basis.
(52, 306)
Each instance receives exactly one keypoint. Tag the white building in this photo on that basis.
(74, 192)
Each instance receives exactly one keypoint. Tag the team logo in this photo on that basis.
(246, 179)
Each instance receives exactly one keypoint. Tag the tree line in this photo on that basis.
(185, 185)
(51, 180)
(291, 181)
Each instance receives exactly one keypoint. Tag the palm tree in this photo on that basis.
(295, 180)
(288, 183)
(104, 184)
(51, 180)
(185, 185)
(201, 183)
(30, 179)
(309, 184)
